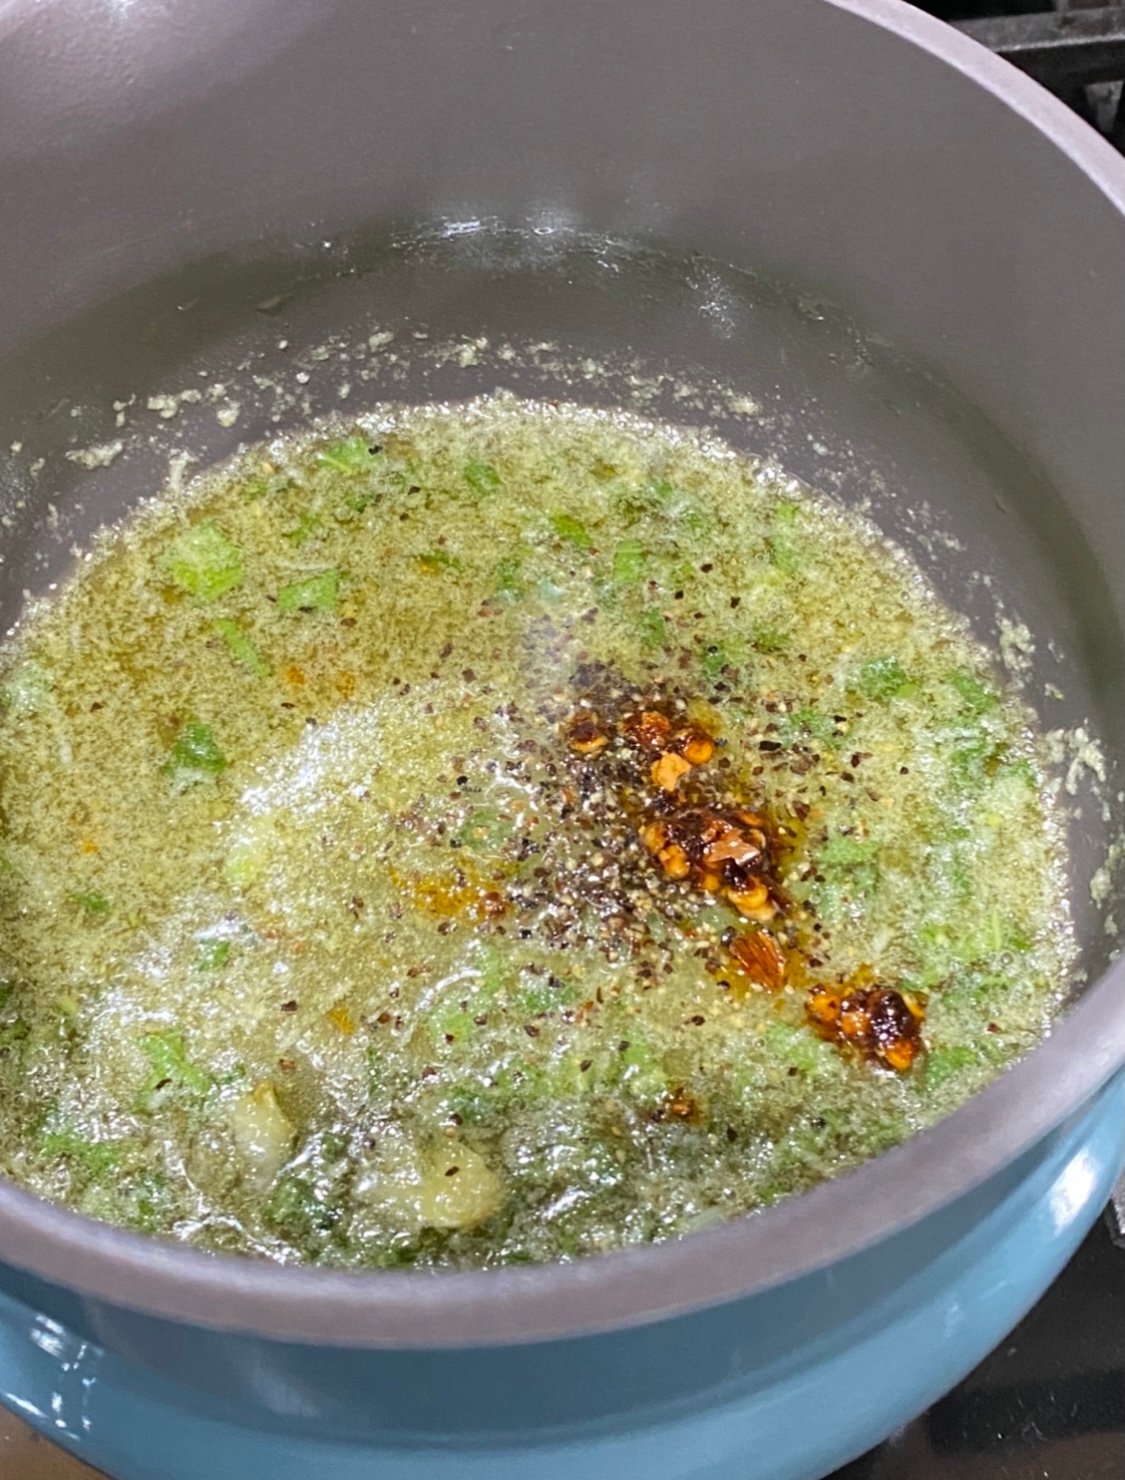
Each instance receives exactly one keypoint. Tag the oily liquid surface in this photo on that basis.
(342, 919)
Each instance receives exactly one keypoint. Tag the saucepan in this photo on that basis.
(903, 265)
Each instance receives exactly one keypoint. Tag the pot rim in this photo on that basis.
(795, 1237)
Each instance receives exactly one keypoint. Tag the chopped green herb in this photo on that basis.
(95, 1157)
(315, 593)
(974, 765)
(486, 830)
(842, 851)
(12, 1032)
(572, 531)
(144, 1197)
(357, 500)
(693, 518)
(213, 954)
(439, 559)
(307, 524)
(203, 562)
(266, 486)
(640, 1071)
(540, 994)
(797, 1048)
(93, 904)
(171, 1070)
(811, 724)
(295, 1210)
(715, 661)
(509, 585)
(629, 563)
(481, 476)
(784, 543)
(195, 756)
(976, 696)
(653, 628)
(944, 1063)
(241, 647)
(883, 679)
(26, 690)
(352, 455)
(769, 640)
(846, 869)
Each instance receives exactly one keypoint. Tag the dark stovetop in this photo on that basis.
(1074, 47)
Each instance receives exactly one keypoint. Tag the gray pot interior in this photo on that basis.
(787, 219)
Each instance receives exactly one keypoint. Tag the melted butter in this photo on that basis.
(319, 945)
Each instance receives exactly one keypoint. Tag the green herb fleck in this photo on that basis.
(652, 627)
(203, 562)
(357, 500)
(945, 1063)
(629, 563)
(572, 531)
(12, 1032)
(977, 697)
(439, 559)
(195, 756)
(809, 723)
(307, 524)
(848, 868)
(509, 585)
(171, 1070)
(352, 455)
(213, 955)
(482, 477)
(769, 640)
(842, 851)
(26, 690)
(295, 1210)
(883, 679)
(266, 486)
(241, 648)
(316, 593)
(796, 1048)
(485, 830)
(542, 994)
(94, 1157)
(715, 661)
(95, 905)
(784, 543)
